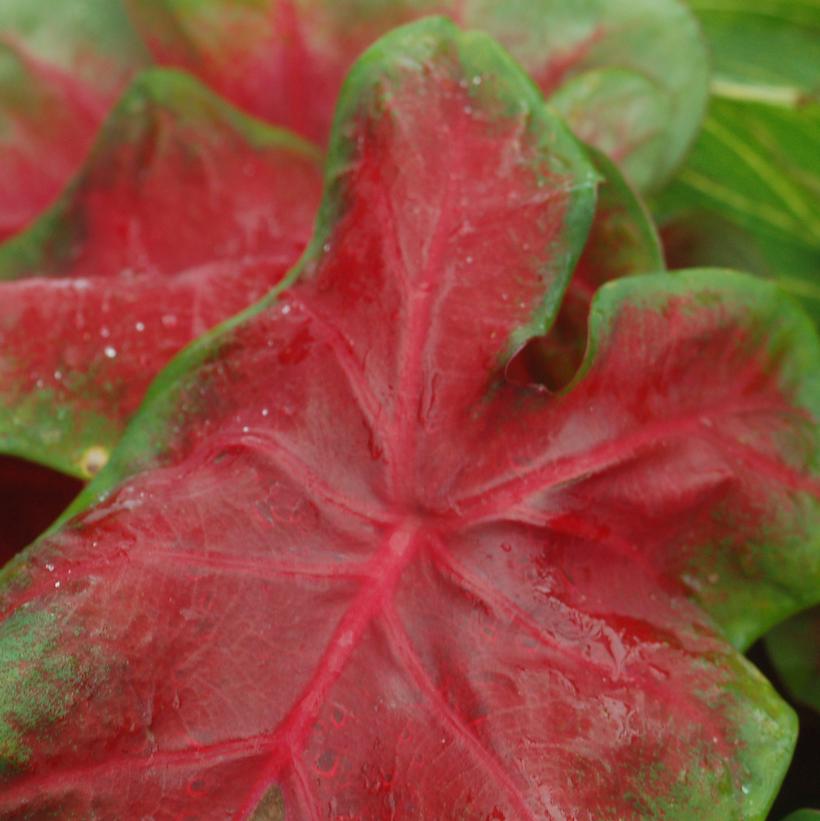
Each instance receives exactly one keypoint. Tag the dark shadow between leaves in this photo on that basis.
(31, 498)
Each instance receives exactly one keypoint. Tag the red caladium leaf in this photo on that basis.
(172, 154)
(631, 75)
(339, 567)
(621, 242)
(61, 67)
(186, 213)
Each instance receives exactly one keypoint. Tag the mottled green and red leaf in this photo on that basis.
(185, 213)
(622, 242)
(631, 75)
(341, 566)
(62, 65)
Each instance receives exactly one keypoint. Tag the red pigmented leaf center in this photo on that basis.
(368, 572)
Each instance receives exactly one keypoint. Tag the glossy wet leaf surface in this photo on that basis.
(185, 213)
(341, 567)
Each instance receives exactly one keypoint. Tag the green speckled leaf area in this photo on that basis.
(341, 566)
(38, 682)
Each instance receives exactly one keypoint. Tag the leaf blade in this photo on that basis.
(60, 71)
(651, 53)
(102, 268)
(318, 594)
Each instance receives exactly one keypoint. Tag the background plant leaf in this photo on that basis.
(754, 166)
(765, 46)
(366, 573)
(794, 648)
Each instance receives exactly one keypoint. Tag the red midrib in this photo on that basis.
(400, 545)
(41, 784)
(766, 466)
(255, 567)
(421, 295)
(291, 465)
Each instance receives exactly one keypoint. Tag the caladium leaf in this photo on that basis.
(341, 568)
(173, 154)
(803, 815)
(630, 74)
(622, 241)
(61, 67)
(186, 212)
(794, 648)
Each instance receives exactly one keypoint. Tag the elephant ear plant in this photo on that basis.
(631, 77)
(189, 207)
(339, 566)
(472, 509)
(630, 74)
